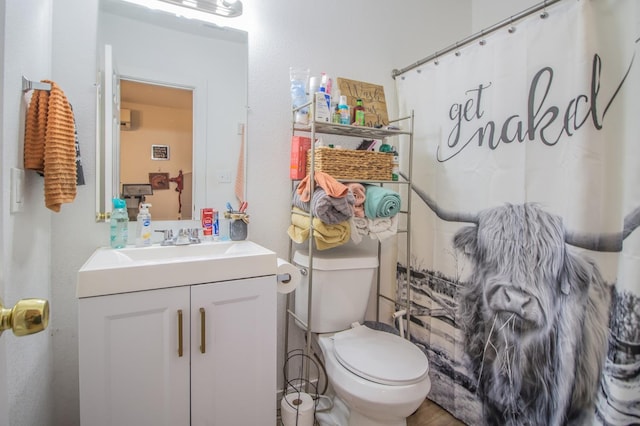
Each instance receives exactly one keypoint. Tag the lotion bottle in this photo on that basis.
(143, 226)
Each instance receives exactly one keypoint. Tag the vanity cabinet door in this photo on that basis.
(233, 375)
(131, 372)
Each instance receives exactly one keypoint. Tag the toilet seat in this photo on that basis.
(380, 357)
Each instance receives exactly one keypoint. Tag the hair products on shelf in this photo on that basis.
(343, 108)
(358, 113)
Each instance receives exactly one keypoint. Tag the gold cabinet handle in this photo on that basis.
(179, 332)
(28, 316)
(202, 331)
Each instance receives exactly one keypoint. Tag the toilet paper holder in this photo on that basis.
(283, 278)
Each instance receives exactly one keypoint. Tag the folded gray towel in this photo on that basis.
(328, 209)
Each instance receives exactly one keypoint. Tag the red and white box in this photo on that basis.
(208, 218)
(299, 147)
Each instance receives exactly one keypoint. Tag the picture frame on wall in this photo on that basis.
(159, 152)
(159, 180)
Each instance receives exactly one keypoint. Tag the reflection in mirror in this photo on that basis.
(156, 133)
(210, 63)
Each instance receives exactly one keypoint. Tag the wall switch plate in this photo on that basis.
(17, 190)
(224, 176)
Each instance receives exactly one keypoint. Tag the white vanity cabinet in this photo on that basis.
(132, 371)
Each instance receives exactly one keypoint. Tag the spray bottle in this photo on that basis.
(143, 226)
(343, 108)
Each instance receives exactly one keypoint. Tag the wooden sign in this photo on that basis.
(373, 100)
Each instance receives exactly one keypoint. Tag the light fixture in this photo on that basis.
(195, 9)
(226, 8)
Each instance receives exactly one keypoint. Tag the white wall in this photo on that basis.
(360, 39)
(25, 237)
(75, 234)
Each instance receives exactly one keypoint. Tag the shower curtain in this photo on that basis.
(525, 282)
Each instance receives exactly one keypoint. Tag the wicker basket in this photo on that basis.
(352, 164)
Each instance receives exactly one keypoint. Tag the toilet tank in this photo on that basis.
(342, 280)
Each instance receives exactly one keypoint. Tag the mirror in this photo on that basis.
(157, 52)
(156, 149)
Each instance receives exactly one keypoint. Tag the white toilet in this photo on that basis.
(378, 377)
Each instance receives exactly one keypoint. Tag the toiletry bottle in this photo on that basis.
(143, 226)
(344, 110)
(358, 113)
(119, 224)
(336, 115)
(395, 165)
(327, 97)
(314, 86)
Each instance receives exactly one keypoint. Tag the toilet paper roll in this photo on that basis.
(297, 407)
(289, 277)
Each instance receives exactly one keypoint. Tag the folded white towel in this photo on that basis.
(380, 228)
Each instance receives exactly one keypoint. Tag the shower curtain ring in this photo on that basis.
(482, 40)
(436, 61)
(457, 51)
(544, 14)
(512, 28)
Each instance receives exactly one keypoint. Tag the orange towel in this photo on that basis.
(327, 182)
(359, 193)
(49, 145)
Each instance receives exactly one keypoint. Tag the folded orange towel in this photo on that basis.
(49, 144)
(327, 182)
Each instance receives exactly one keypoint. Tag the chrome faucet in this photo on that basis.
(194, 236)
(185, 237)
(167, 238)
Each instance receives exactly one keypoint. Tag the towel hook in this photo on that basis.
(28, 85)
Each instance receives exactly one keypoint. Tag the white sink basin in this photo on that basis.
(110, 271)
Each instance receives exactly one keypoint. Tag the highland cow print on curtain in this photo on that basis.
(525, 283)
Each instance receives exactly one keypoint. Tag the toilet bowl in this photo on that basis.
(382, 378)
(378, 377)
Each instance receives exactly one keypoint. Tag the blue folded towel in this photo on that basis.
(380, 202)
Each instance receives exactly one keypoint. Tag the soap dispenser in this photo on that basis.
(119, 224)
(143, 226)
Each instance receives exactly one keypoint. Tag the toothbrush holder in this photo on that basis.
(238, 225)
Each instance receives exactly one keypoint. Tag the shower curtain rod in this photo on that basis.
(476, 36)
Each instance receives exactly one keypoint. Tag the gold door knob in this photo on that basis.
(28, 316)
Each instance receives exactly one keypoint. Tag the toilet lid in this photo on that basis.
(380, 357)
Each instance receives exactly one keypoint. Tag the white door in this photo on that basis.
(131, 370)
(233, 374)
